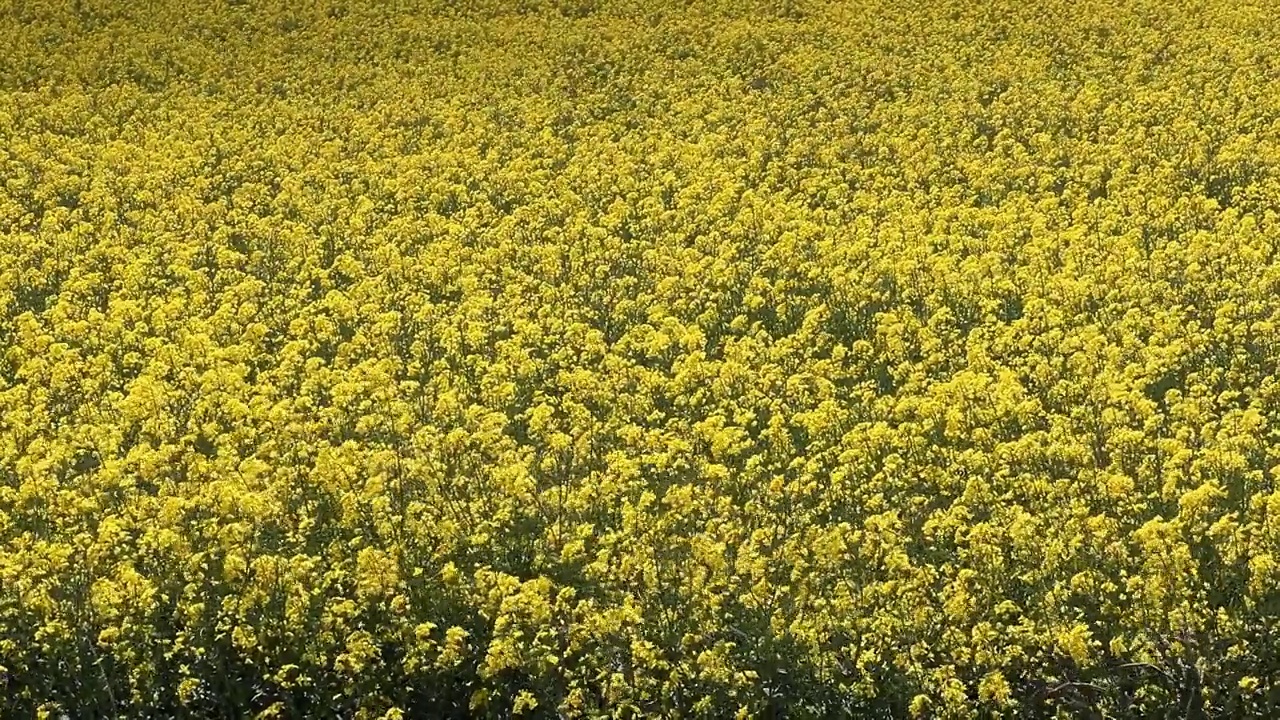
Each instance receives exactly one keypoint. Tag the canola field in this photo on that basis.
(605, 358)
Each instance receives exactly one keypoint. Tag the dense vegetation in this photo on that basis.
(611, 358)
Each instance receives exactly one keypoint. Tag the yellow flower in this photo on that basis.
(994, 689)
(524, 702)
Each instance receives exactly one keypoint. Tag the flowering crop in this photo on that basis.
(605, 358)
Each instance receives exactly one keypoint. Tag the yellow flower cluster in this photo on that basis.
(619, 358)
